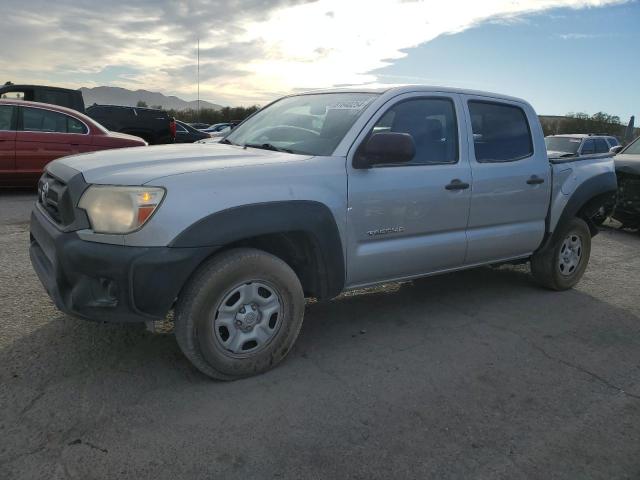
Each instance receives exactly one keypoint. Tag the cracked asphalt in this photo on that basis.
(479, 374)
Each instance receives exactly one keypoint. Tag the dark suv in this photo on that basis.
(154, 126)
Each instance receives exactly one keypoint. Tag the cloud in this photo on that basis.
(584, 36)
(251, 50)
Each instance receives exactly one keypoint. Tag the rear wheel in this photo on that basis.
(240, 314)
(561, 265)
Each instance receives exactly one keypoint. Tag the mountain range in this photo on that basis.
(123, 96)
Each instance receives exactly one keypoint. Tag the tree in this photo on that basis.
(141, 104)
(580, 122)
(211, 116)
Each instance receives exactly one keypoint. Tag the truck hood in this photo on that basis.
(627, 163)
(137, 166)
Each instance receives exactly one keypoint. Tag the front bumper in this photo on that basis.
(110, 283)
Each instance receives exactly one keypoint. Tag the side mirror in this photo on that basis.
(385, 148)
(616, 150)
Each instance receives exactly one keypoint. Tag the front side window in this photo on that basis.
(601, 145)
(6, 117)
(311, 124)
(589, 147)
(39, 120)
(432, 124)
(500, 132)
(613, 141)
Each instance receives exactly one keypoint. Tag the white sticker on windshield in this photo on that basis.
(351, 105)
(575, 141)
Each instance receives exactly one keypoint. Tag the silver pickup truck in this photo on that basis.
(314, 194)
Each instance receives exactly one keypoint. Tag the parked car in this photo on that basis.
(154, 126)
(63, 97)
(33, 134)
(216, 127)
(627, 207)
(199, 126)
(378, 186)
(185, 133)
(211, 139)
(579, 145)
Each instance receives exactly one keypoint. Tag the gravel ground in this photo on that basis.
(479, 374)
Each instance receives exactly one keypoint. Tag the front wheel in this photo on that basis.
(561, 265)
(240, 314)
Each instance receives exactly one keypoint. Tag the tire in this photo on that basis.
(216, 324)
(556, 267)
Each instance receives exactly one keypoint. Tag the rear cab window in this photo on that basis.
(501, 132)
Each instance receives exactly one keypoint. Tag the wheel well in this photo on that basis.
(591, 208)
(300, 251)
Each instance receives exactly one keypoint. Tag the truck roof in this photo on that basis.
(398, 90)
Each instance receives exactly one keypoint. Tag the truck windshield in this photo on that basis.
(563, 144)
(306, 124)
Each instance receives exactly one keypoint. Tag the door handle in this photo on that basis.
(535, 180)
(457, 184)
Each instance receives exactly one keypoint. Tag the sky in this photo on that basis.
(561, 55)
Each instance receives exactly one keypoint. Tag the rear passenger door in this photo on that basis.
(511, 180)
(7, 138)
(410, 219)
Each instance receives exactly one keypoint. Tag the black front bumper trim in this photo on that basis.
(111, 283)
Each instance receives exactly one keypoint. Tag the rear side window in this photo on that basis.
(6, 117)
(142, 113)
(39, 120)
(432, 124)
(613, 141)
(601, 145)
(501, 132)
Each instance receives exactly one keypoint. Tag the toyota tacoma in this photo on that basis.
(315, 194)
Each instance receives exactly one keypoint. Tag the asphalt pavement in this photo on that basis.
(474, 375)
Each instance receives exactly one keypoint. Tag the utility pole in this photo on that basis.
(198, 79)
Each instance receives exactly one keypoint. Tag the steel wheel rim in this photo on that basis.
(570, 255)
(247, 318)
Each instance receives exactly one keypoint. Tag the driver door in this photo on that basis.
(405, 220)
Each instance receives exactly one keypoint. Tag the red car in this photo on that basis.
(32, 134)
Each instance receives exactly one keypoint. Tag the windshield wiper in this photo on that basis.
(267, 146)
(226, 142)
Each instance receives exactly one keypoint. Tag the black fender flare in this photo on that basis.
(587, 198)
(246, 221)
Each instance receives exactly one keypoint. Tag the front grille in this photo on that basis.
(54, 197)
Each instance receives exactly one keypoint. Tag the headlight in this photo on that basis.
(119, 209)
